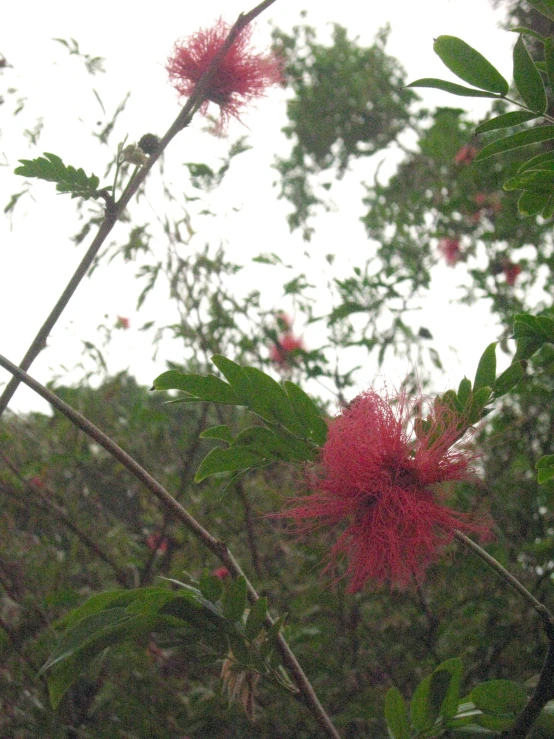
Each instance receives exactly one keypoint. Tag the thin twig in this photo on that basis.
(540, 608)
(114, 211)
(306, 692)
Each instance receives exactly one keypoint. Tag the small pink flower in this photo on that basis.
(378, 485)
(242, 76)
(511, 271)
(466, 154)
(450, 250)
(481, 199)
(37, 481)
(157, 543)
(282, 352)
(221, 572)
(123, 322)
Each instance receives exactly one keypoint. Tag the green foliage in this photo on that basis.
(292, 429)
(528, 79)
(347, 103)
(113, 618)
(530, 333)
(545, 468)
(469, 65)
(68, 179)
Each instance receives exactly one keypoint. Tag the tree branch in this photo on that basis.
(114, 210)
(306, 692)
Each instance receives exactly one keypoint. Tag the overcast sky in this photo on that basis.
(37, 256)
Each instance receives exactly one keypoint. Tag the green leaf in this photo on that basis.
(547, 158)
(222, 433)
(499, 697)
(227, 460)
(68, 179)
(235, 376)
(452, 87)
(478, 402)
(427, 699)
(531, 203)
(454, 667)
(508, 379)
(79, 645)
(273, 445)
(396, 715)
(548, 210)
(516, 141)
(528, 79)
(211, 587)
(306, 411)
(549, 61)
(527, 32)
(486, 369)
(272, 400)
(545, 7)
(545, 468)
(469, 65)
(539, 181)
(256, 618)
(464, 392)
(205, 387)
(497, 724)
(272, 635)
(506, 120)
(234, 599)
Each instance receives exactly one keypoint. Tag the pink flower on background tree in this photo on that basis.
(221, 572)
(466, 154)
(450, 250)
(511, 271)
(378, 483)
(242, 76)
(282, 353)
(157, 543)
(123, 322)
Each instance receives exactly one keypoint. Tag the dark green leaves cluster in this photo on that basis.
(530, 333)
(290, 428)
(68, 179)
(469, 403)
(210, 615)
(437, 706)
(535, 177)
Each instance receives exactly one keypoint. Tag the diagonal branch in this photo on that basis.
(115, 210)
(306, 692)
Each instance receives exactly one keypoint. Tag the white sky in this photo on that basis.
(37, 256)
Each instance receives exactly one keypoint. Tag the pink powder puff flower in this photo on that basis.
(450, 250)
(242, 75)
(221, 572)
(157, 543)
(511, 271)
(466, 154)
(281, 352)
(379, 481)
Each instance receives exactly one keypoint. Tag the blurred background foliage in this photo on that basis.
(74, 523)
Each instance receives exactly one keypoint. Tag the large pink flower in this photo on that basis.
(380, 482)
(242, 75)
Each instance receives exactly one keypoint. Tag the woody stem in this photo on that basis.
(546, 616)
(305, 691)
